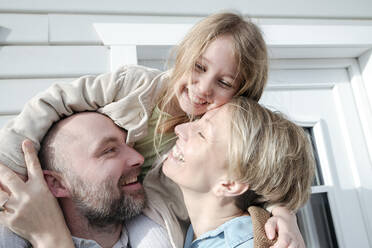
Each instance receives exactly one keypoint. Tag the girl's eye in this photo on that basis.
(201, 135)
(225, 84)
(199, 67)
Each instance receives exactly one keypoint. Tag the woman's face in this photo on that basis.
(212, 82)
(199, 158)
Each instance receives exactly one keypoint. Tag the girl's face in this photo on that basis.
(212, 81)
(198, 160)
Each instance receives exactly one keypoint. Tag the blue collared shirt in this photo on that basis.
(235, 233)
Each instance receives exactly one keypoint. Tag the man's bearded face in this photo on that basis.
(105, 203)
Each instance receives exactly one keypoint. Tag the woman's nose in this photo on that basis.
(182, 130)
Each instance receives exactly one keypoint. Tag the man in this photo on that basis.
(94, 175)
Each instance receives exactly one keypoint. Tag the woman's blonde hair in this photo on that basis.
(249, 50)
(271, 154)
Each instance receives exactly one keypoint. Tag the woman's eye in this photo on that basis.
(201, 135)
(199, 67)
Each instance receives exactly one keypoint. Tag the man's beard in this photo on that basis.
(105, 204)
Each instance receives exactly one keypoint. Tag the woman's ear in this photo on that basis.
(56, 184)
(229, 188)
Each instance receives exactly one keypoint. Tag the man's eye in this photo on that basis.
(110, 150)
(201, 135)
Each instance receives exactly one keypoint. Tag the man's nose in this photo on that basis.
(134, 158)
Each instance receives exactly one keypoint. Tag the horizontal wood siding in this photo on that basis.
(52, 61)
(15, 92)
(23, 28)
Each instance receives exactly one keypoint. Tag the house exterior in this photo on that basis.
(320, 76)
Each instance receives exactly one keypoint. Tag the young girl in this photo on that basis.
(221, 57)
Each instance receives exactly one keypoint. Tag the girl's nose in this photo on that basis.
(204, 86)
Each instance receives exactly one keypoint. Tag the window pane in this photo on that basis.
(315, 222)
(318, 180)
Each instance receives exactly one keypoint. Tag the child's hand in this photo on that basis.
(284, 223)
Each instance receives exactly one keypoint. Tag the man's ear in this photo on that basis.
(56, 184)
(230, 188)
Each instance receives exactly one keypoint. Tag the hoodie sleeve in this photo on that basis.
(88, 93)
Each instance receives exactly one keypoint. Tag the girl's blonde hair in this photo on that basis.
(249, 50)
(271, 154)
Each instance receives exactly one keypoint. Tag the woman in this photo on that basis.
(236, 156)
